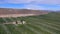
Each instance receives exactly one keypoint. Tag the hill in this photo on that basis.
(42, 24)
(20, 11)
(9, 12)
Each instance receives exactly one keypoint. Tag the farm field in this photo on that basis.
(43, 24)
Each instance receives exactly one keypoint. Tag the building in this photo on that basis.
(16, 22)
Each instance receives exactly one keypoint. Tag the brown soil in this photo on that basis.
(6, 12)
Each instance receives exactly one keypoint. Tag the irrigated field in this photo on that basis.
(43, 24)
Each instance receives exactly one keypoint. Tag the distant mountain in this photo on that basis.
(21, 11)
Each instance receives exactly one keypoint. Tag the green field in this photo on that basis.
(43, 24)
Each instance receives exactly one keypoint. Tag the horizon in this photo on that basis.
(29, 4)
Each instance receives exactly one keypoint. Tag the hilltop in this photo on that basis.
(8, 12)
(20, 11)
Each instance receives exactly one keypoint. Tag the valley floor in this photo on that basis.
(43, 24)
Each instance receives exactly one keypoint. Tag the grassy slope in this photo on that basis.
(43, 24)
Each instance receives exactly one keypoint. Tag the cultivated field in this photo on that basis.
(43, 24)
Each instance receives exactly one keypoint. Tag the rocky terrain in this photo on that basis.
(9, 12)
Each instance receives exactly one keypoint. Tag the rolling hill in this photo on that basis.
(40, 24)
(20, 11)
(9, 12)
(43, 24)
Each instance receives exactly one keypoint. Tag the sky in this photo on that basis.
(31, 4)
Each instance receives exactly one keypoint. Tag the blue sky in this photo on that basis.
(31, 4)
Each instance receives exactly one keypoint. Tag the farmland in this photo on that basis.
(43, 24)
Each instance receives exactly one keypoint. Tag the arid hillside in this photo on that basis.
(20, 12)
